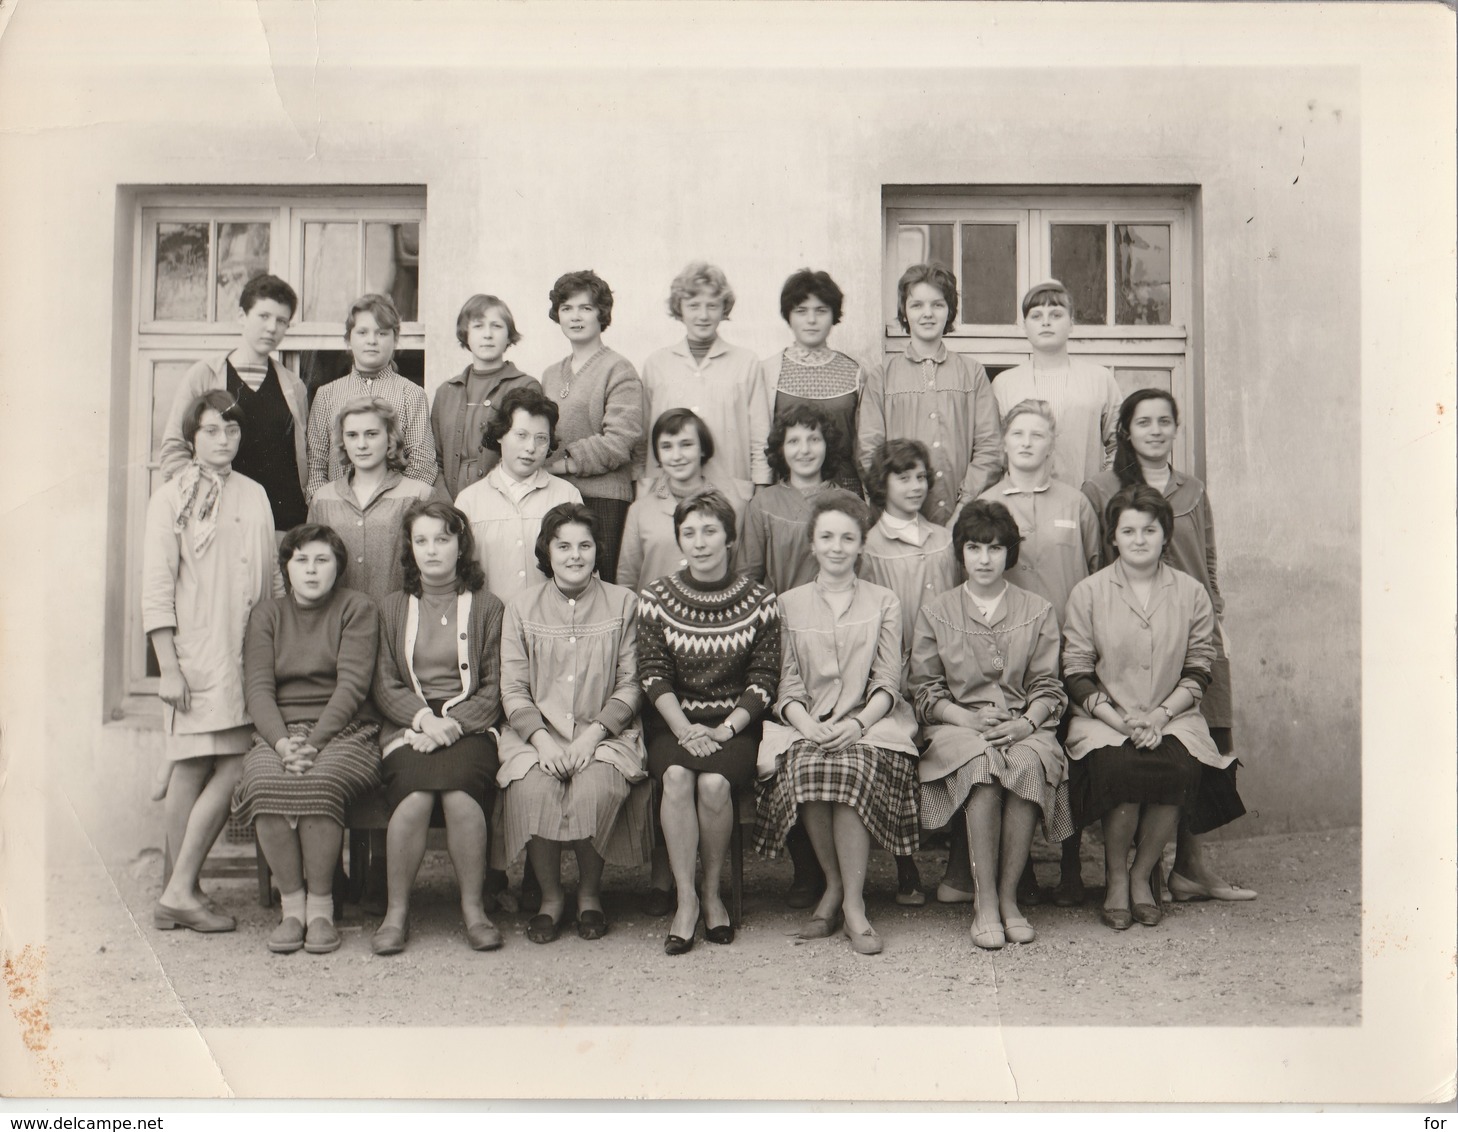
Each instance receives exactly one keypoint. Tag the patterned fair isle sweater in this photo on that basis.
(715, 645)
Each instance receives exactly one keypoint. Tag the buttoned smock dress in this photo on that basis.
(650, 547)
(1008, 659)
(775, 546)
(567, 663)
(833, 658)
(440, 653)
(1117, 650)
(371, 533)
(716, 646)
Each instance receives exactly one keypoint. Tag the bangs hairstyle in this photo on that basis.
(576, 281)
(699, 276)
(553, 521)
(1144, 499)
(382, 307)
(1126, 460)
(304, 534)
(673, 422)
(845, 502)
(989, 523)
(710, 501)
(219, 400)
(476, 307)
(1049, 293)
(805, 283)
(395, 435)
(1033, 406)
(527, 400)
(896, 455)
(934, 274)
(469, 575)
(804, 416)
(262, 287)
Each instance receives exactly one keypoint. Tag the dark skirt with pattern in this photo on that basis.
(612, 517)
(1017, 769)
(1166, 775)
(468, 765)
(346, 770)
(734, 760)
(597, 804)
(879, 785)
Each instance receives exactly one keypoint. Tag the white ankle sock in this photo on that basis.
(293, 905)
(320, 907)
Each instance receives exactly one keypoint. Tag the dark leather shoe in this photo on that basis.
(724, 933)
(591, 924)
(1120, 919)
(322, 937)
(389, 940)
(660, 902)
(541, 928)
(1147, 914)
(483, 936)
(677, 945)
(287, 937)
(202, 919)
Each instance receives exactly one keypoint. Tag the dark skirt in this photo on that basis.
(1167, 775)
(468, 765)
(734, 760)
(1218, 802)
(612, 517)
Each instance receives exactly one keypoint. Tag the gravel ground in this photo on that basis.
(1291, 958)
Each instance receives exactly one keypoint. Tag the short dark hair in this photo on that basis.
(673, 421)
(527, 400)
(220, 400)
(304, 534)
(268, 287)
(986, 522)
(939, 277)
(469, 575)
(709, 501)
(1144, 499)
(1049, 293)
(589, 281)
(899, 454)
(846, 502)
(476, 307)
(380, 307)
(804, 283)
(804, 415)
(557, 518)
(1126, 460)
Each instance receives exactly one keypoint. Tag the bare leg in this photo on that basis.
(209, 815)
(466, 843)
(816, 818)
(281, 850)
(716, 821)
(984, 835)
(404, 850)
(1156, 827)
(679, 817)
(852, 851)
(161, 779)
(1018, 819)
(320, 840)
(1119, 825)
(545, 857)
(189, 776)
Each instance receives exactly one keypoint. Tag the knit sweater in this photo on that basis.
(310, 665)
(601, 423)
(715, 646)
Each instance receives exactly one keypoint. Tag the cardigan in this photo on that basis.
(715, 647)
(397, 690)
(601, 423)
(448, 413)
(728, 392)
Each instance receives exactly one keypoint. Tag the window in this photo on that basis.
(1125, 256)
(193, 252)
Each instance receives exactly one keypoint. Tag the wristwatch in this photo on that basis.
(729, 727)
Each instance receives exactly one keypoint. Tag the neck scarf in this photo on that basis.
(202, 489)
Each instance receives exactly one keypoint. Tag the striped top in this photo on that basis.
(401, 394)
(716, 645)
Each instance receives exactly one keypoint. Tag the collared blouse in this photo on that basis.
(1139, 656)
(371, 533)
(567, 663)
(832, 664)
(650, 549)
(915, 570)
(506, 531)
(1060, 531)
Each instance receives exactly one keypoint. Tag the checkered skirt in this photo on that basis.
(879, 785)
(1018, 769)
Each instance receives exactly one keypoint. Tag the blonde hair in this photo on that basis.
(395, 446)
(699, 276)
(1036, 408)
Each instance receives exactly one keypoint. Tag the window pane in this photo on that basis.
(1131, 378)
(182, 272)
(166, 378)
(392, 265)
(990, 273)
(242, 254)
(923, 243)
(1141, 274)
(1080, 261)
(331, 270)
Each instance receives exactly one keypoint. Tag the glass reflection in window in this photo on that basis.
(392, 265)
(242, 255)
(181, 290)
(990, 274)
(331, 270)
(1080, 260)
(1141, 275)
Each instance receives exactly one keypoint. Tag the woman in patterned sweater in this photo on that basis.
(709, 662)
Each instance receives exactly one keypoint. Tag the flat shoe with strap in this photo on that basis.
(204, 919)
(989, 939)
(483, 936)
(389, 940)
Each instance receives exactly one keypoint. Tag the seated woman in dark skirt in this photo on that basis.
(438, 687)
(1138, 641)
(709, 662)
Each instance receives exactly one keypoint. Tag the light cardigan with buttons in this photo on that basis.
(397, 692)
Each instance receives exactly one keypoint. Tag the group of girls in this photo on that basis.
(721, 610)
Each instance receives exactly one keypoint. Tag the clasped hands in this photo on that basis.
(1144, 727)
(832, 735)
(435, 732)
(997, 726)
(563, 762)
(297, 753)
(701, 741)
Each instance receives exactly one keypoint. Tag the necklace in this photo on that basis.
(567, 375)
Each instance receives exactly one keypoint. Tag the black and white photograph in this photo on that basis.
(850, 552)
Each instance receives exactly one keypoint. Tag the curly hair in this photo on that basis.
(805, 283)
(804, 416)
(988, 523)
(699, 276)
(395, 435)
(304, 534)
(469, 575)
(934, 274)
(553, 521)
(527, 400)
(576, 281)
(898, 454)
(1126, 460)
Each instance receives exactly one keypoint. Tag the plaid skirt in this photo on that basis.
(879, 785)
(596, 804)
(1016, 769)
(346, 770)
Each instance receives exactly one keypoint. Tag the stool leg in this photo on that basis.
(265, 876)
(340, 880)
(736, 865)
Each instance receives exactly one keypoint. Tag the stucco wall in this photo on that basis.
(633, 172)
